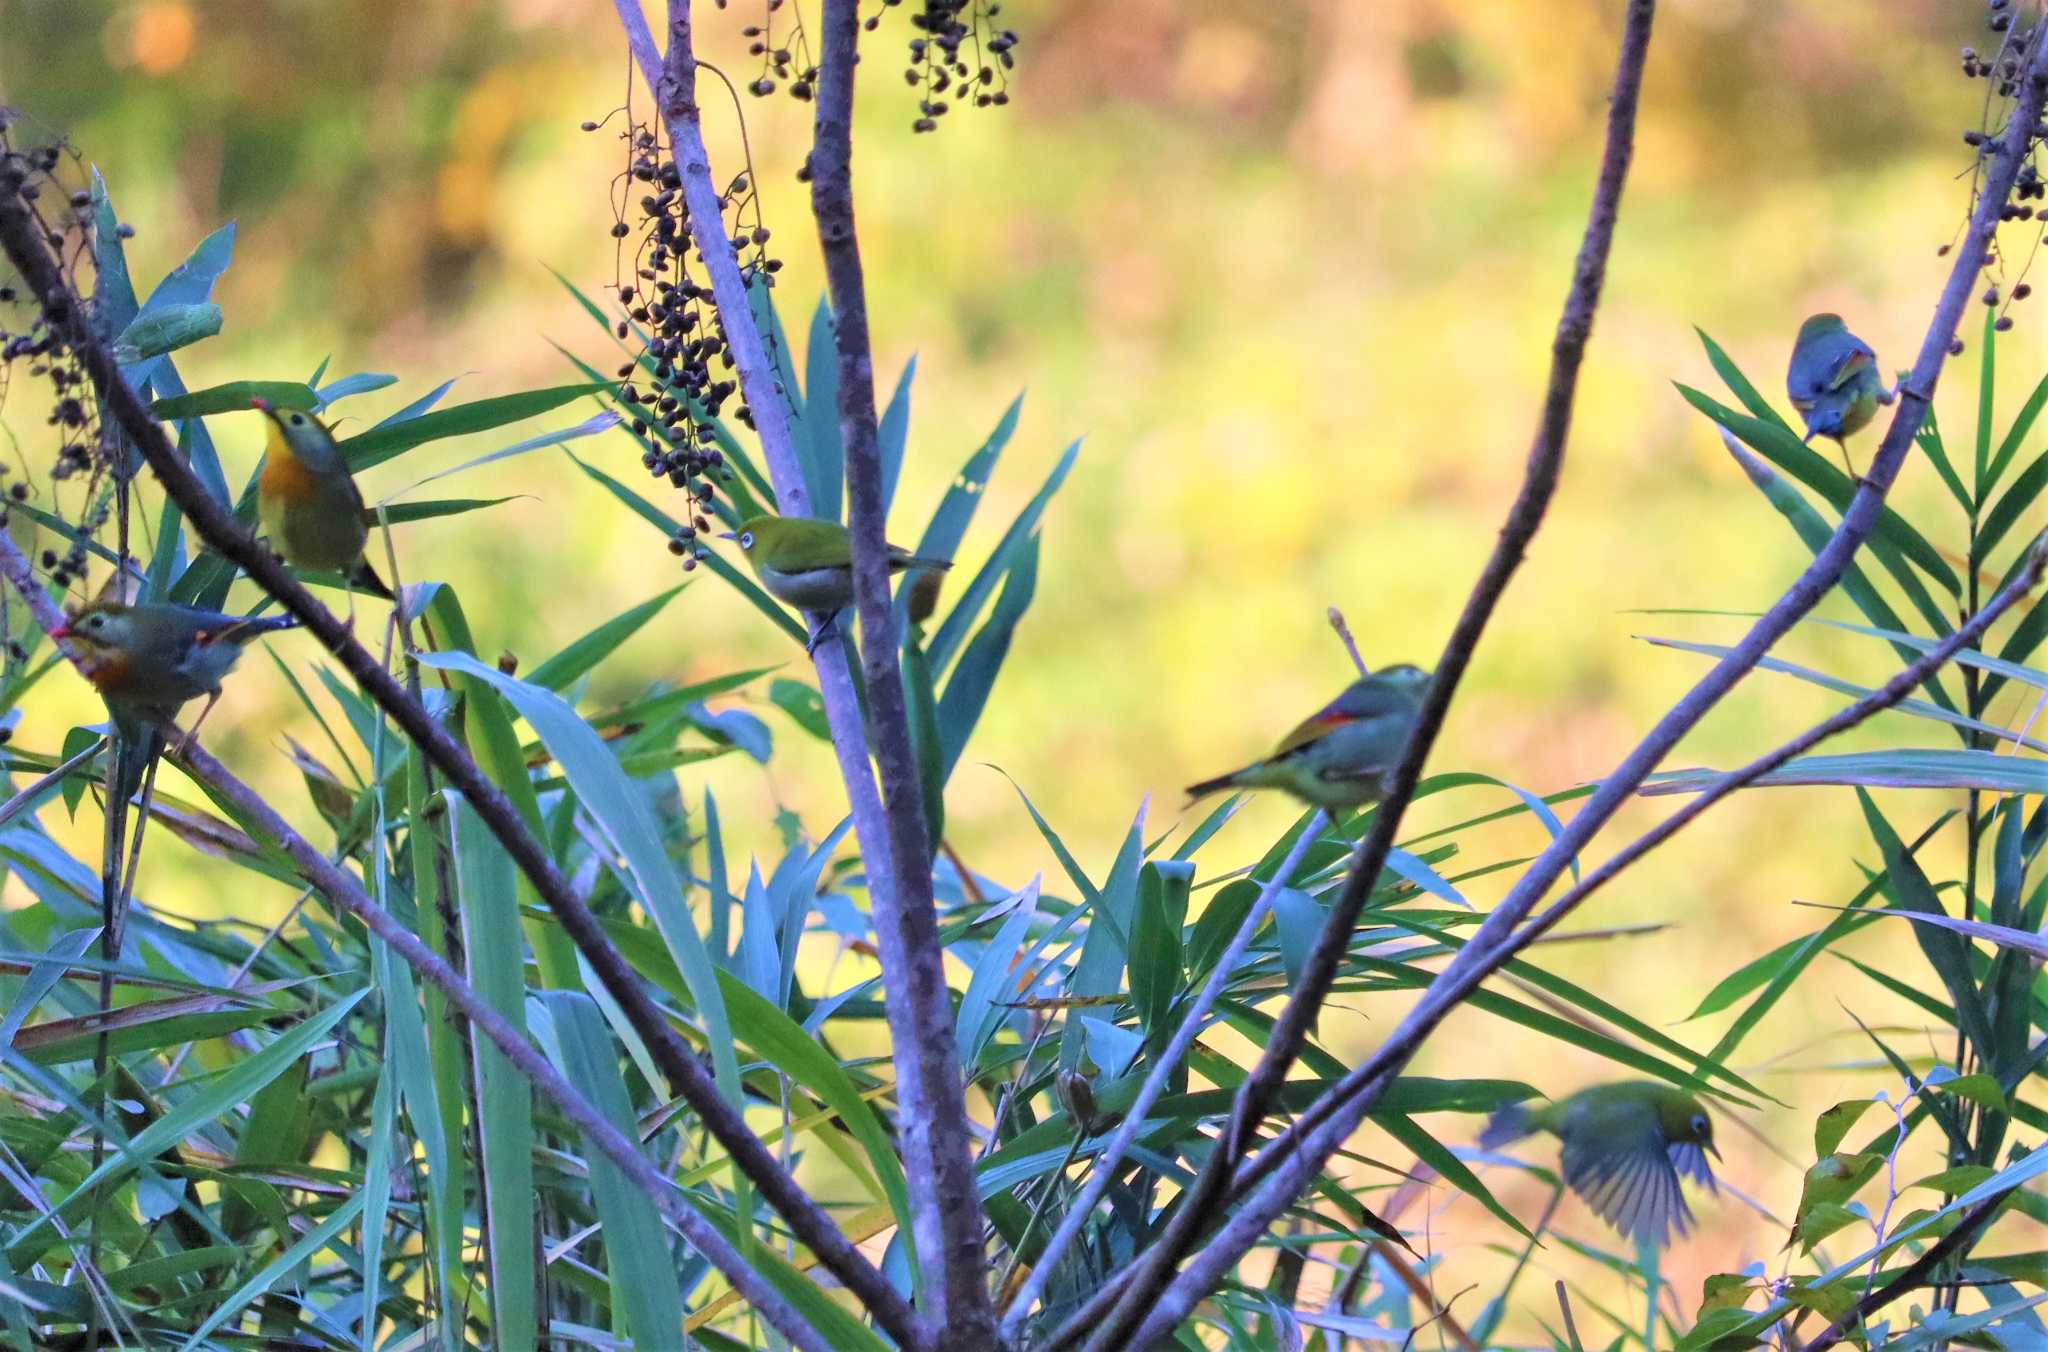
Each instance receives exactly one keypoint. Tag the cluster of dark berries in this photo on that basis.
(959, 54)
(2002, 69)
(33, 340)
(785, 56)
(679, 383)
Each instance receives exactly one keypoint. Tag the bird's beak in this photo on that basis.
(1708, 1146)
(727, 535)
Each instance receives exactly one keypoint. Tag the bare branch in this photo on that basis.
(938, 1142)
(1256, 1097)
(345, 894)
(26, 248)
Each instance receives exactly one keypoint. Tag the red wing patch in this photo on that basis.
(1856, 362)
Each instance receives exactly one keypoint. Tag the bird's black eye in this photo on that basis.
(1699, 1123)
(746, 539)
(297, 421)
(97, 622)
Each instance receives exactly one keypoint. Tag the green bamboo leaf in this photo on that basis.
(2025, 492)
(1946, 953)
(1778, 444)
(622, 813)
(218, 1097)
(1015, 540)
(1928, 439)
(1903, 768)
(819, 452)
(994, 977)
(1157, 974)
(166, 329)
(347, 387)
(265, 1278)
(892, 434)
(643, 1272)
(1917, 708)
(485, 881)
(779, 1040)
(390, 439)
(2014, 436)
(1987, 372)
(973, 679)
(571, 663)
(403, 513)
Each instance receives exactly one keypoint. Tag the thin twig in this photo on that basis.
(1103, 1169)
(1350, 644)
(213, 522)
(343, 892)
(27, 797)
(1257, 1096)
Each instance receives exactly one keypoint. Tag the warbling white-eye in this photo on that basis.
(808, 563)
(1626, 1146)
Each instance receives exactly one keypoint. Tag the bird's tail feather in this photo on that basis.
(1216, 785)
(364, 579)
(135, 745)
(1506, 1126)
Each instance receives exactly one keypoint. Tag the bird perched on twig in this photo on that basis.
(1626, 1146)
(149, 660)
(808, 563)
(309, 504)
(1341, 755)
(1833, 382)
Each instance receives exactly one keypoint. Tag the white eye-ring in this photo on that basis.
(746, 539)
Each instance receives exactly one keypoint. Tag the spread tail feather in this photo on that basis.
(1506, 1126)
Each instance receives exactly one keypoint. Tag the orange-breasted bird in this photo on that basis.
(309, 504)
(149, 660)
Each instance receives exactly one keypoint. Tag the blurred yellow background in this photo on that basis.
(1291, 270)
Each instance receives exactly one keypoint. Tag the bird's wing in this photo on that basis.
(1854, 356)
(1618, 1163)
(1311, 729)
(1691, 1162)
(807, 544)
